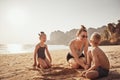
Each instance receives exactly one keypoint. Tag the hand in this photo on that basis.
(35, 64)
(83, 74)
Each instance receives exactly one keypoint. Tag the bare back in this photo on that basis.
(102, 58)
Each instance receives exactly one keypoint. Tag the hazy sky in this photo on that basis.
(22, 20)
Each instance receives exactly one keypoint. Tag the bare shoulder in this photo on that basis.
(38, 45)
(94, 51)
(72, 42)
(46, 45)
(99, 52)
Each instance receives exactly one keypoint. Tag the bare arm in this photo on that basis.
(48, 54)
(88, 64)
(86, 49)
(95, 60)
(35, 52)
(76, 57)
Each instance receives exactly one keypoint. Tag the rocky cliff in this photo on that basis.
(110, 35)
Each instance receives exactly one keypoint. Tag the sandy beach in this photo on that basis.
(19, 66)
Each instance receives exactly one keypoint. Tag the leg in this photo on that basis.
(42, 63)
(73, 64)
(48, 63)
(89, 58)
(91, 74)
(82, 62)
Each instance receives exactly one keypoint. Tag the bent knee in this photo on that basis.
(44, 67)
(74, 66)
(89, 75)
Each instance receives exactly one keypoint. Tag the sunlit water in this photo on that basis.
(18, 48)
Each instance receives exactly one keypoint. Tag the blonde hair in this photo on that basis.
(41, 34)
(96, 37)
(82, 29)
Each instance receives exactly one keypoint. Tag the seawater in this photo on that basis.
(25, 48)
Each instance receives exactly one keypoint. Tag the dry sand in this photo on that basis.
(19, 66)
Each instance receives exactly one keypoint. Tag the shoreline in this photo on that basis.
(19, 48)
(28, 52)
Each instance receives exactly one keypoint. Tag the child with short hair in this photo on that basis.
(97, 62)
(40, 50)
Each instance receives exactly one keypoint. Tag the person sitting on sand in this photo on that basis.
(97, 62)
(39, 52)
(75, 57)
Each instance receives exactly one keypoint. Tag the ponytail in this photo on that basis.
(82, 29)
(41, 34)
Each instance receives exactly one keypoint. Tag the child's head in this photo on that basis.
(82, 33)
(95, 39)
(42, 36)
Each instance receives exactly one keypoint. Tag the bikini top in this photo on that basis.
(79, 51)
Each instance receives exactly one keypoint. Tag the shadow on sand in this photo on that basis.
(57, 73)
(60, 73)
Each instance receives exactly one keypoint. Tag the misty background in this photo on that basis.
(22, 20)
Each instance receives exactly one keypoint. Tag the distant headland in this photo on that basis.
(110, 35)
